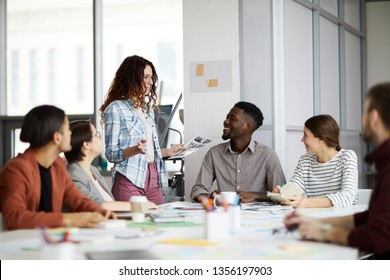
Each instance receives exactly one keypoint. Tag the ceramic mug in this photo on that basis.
(229, 198)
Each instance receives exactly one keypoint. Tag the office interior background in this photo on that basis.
(292, 58)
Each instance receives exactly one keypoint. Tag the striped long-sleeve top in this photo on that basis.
(336, 179)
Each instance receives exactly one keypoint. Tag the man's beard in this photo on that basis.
(369, 136)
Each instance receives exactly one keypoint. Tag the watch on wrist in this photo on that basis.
(324, 230)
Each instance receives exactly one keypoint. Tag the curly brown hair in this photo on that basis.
(129, 83)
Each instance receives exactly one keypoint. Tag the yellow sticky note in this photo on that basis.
(190, 242)
(212, 83)
(200, 70)
(293, 247)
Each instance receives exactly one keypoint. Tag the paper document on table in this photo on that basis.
(100, 235)
(256, 205)
(265, 206)
(167, 217)
(195, 144)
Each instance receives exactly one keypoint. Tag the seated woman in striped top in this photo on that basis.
(327, 173)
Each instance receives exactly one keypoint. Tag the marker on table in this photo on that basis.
(46, 238)
(236, 200)
(65, 238)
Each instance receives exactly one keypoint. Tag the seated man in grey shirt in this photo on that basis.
(242, 164)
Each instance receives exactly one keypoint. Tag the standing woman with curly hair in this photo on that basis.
(131, 138)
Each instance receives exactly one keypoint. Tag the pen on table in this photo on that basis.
(45, 235)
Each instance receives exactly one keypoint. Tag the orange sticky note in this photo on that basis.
(199, 70)
(212, 83)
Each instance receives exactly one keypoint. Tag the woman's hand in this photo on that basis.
(152, 206)
(135, 150)
(173, 150)
(296, 202)
(141, 146)
(277, 189)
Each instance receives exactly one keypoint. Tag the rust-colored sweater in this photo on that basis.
(20, 192)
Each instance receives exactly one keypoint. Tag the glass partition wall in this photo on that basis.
(66, 53)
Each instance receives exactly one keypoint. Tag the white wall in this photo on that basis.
(270, 44)
(378, 42)
(211, 33)
(256, 56)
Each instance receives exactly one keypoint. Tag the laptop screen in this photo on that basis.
(164, 119)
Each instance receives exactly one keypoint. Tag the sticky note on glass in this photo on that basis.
(199, 70)
(212, 83)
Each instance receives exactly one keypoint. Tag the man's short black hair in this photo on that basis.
(252, 111)
(40, 124)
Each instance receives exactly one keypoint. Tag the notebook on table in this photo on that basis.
(289, 190)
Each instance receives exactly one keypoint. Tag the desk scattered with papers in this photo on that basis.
(184, 238)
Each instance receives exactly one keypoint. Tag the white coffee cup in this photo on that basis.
(226, 197)
(139, 206)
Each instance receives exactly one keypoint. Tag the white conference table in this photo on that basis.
(185, 241)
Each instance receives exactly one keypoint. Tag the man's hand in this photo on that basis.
(203, 197)
(309, 228)
(84, 219)
(252, 196)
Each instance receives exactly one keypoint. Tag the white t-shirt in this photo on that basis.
(149, 135)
